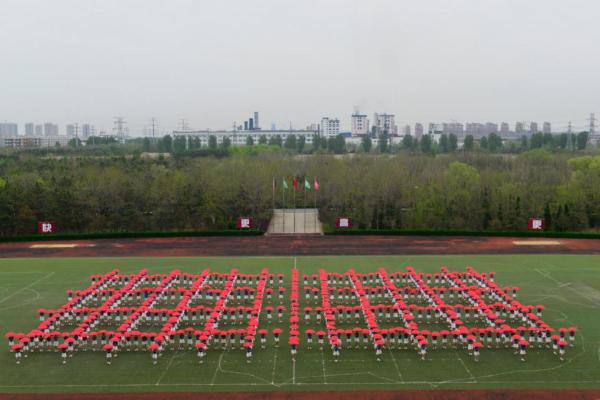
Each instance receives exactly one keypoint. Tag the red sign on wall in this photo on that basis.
(46, 227)
(343, 222)
(245, 223)
(538, 224)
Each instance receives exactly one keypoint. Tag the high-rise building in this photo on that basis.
(9, 129)
(70, 130)
(50, 129)
(256, 126)
(406, 130)
(29, 129)
(519, 128)
(360, 125)
(504, 129)
(491, 127)
(39, 130)
(86, 131)
(533, 128)
(546, 128)
(385, 123)
(330, 127)
(454, 128)
(432, 128)
(418, 129)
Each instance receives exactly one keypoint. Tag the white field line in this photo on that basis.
(465, 366)
(29, 301)
(293, 372)
(295, 263)
(323, 364)
(396, 365)
(212, 381)
(27, 287)
(274, 364)
(541, 382)
(166, 369)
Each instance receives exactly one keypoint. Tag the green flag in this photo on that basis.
(306, 184)
(285, 185)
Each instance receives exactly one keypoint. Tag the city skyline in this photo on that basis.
(297, 61)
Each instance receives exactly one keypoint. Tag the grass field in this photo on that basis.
(569, 287)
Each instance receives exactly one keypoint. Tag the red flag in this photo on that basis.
(295, 183)
(317, 185)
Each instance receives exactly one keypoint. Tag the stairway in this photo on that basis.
(295, 221)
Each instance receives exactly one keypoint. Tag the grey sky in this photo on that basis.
(214, 62)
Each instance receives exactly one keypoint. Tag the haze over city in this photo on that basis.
(214, 62)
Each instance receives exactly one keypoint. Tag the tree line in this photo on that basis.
(459, 190)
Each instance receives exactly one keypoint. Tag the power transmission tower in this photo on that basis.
(592, 134)
(120, 129)
(153, 128)
(184, 125)
(569, 137)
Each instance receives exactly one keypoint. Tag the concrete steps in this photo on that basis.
(295, 221)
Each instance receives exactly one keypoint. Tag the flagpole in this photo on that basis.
(304, 205)
(316, 211)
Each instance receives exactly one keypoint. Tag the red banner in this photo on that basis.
(245, 223)
(538, 224)
(46, 227)
(343, 222)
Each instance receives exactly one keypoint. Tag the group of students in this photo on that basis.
(346, 297)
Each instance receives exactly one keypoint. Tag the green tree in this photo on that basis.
(226, 143)
(537, 141)
(452, 142)
(301, 143)
(212, 142)
(290, 142)
(469, 143)
(262, 139)
(249, 140)
(407, 142)
(444, 145)
(426, 145)
(483, 143)
(275, 140)
(366, 143)
(582, 138)
(382, 145)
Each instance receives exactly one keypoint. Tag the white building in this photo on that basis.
(330, 127)
(385, 123)
(240, 137)
(50, 129)
(40, 141)
(546, 128)
(29, 129)
(360, 125)
(9, 129)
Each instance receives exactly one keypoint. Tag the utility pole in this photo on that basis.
(592, 133)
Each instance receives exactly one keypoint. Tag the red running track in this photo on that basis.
(298, 246)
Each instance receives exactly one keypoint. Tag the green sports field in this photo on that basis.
(569, 287)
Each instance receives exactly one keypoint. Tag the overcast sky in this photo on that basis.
(214, 62)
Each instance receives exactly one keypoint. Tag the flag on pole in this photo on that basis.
(306, 184)
(295, 183)
(317, 185)
(285, 185)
